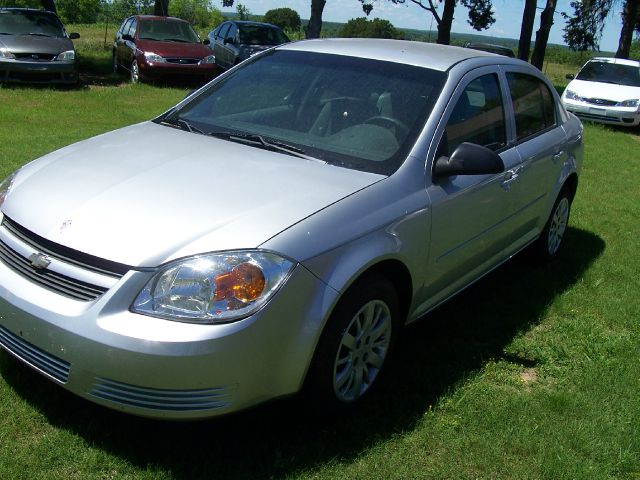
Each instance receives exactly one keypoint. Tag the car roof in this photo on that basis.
(430, 55)
(620, 61)
(20, 9)
(259, 24)
(159, 18)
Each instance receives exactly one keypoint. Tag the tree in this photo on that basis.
(363, 28)
(630, 21)
(285, 18)
(528, 18)
(480, 14)
(242, 12)
(315, 20)
(196, 12)
(584, 28)
(161, 8)
(79, 11)
(542, 35)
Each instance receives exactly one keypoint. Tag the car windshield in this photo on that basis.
(31, 22)
(260, 35)
(608, 72)
(353, 112)
(167, 31)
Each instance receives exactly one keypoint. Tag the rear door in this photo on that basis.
(541, 144)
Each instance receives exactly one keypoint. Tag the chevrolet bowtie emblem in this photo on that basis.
(39, 261)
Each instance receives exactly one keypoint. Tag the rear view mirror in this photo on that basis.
(570, 76)
(468, 159)
(74, 36)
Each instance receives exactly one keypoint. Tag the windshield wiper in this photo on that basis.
(183, 124)
(259, 141)
(176, 40)
(38, 34)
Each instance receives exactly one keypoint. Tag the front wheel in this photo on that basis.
(135, 72)
(551, 239)
(355, 345)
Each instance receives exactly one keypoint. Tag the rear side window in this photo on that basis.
(533, 104)
(478, 117)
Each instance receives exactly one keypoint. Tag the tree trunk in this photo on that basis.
(315, 21)
(542, 35)
(49, 5)
(444, 25)
(528, 18)
(629, 21)
(161, 8)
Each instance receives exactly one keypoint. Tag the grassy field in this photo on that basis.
(539, 379)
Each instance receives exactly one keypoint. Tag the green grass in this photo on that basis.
(538, 379)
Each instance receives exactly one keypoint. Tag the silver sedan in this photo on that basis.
(276, 230)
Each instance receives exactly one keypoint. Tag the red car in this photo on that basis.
(162, 48)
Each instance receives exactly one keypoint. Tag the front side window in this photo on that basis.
(352, 112)
(533, 104)
(478, 117)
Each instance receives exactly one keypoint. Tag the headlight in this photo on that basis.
(569, 95)
(213, 288)
(5, 186)
(67, 56)
(209, 59)
(4, 53)
(153, 57)
(629, 103)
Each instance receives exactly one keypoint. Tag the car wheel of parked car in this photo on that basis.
(135, 72)
(356, 343)
(549, 243)
(116, 67)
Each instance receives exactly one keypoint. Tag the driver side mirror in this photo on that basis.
(127, 37)
(570, 76)
(229, 40)
(468, 159)
(74, 36)
(206, 41)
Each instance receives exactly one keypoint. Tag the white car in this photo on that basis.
(606, 90)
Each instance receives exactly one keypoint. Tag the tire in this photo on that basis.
(550, 242)
(114, 63)
(355, 345)
(135, 72)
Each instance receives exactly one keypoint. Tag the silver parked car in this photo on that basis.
(277, 229)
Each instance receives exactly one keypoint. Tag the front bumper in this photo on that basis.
(50, 72)
(623, 116)
(177, 72)
(158, 368)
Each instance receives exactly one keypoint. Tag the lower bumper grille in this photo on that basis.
(39, 359)
(159, 399)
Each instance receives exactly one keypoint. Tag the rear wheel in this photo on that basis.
(355, 345)
(116, 67)
(551, 240)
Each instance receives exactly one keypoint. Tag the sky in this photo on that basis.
(508, 14)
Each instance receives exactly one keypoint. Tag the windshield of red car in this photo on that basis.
(166, 30)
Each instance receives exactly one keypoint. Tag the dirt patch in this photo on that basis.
(529, 376)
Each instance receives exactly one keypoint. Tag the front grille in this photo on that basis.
(593, 116)
(35, 357)
(48, 279)
(160, 399)
(34, 57)
(183, 61)
(600, 101)
(55, 281)
(35, 76)
(67, 255)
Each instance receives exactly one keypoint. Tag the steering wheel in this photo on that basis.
(385, 121)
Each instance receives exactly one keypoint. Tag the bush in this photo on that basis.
(285, 18)
(363, 28)
(79, 11)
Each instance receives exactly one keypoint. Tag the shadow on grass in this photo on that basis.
(280, 438)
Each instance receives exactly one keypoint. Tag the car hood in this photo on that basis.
(607, 91)
(35, 44)
(174, 49)
(147, 194)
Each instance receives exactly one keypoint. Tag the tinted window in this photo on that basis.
(165, 30)
(261, 35)
(357, 113)
(222, 32)
(478, 117)
(125, 26)
(233, 31)
(19, 22)
(608, 72)
(132, 28)
(533, 104)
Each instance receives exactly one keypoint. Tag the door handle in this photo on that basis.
(558, 156)
(510, 176)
